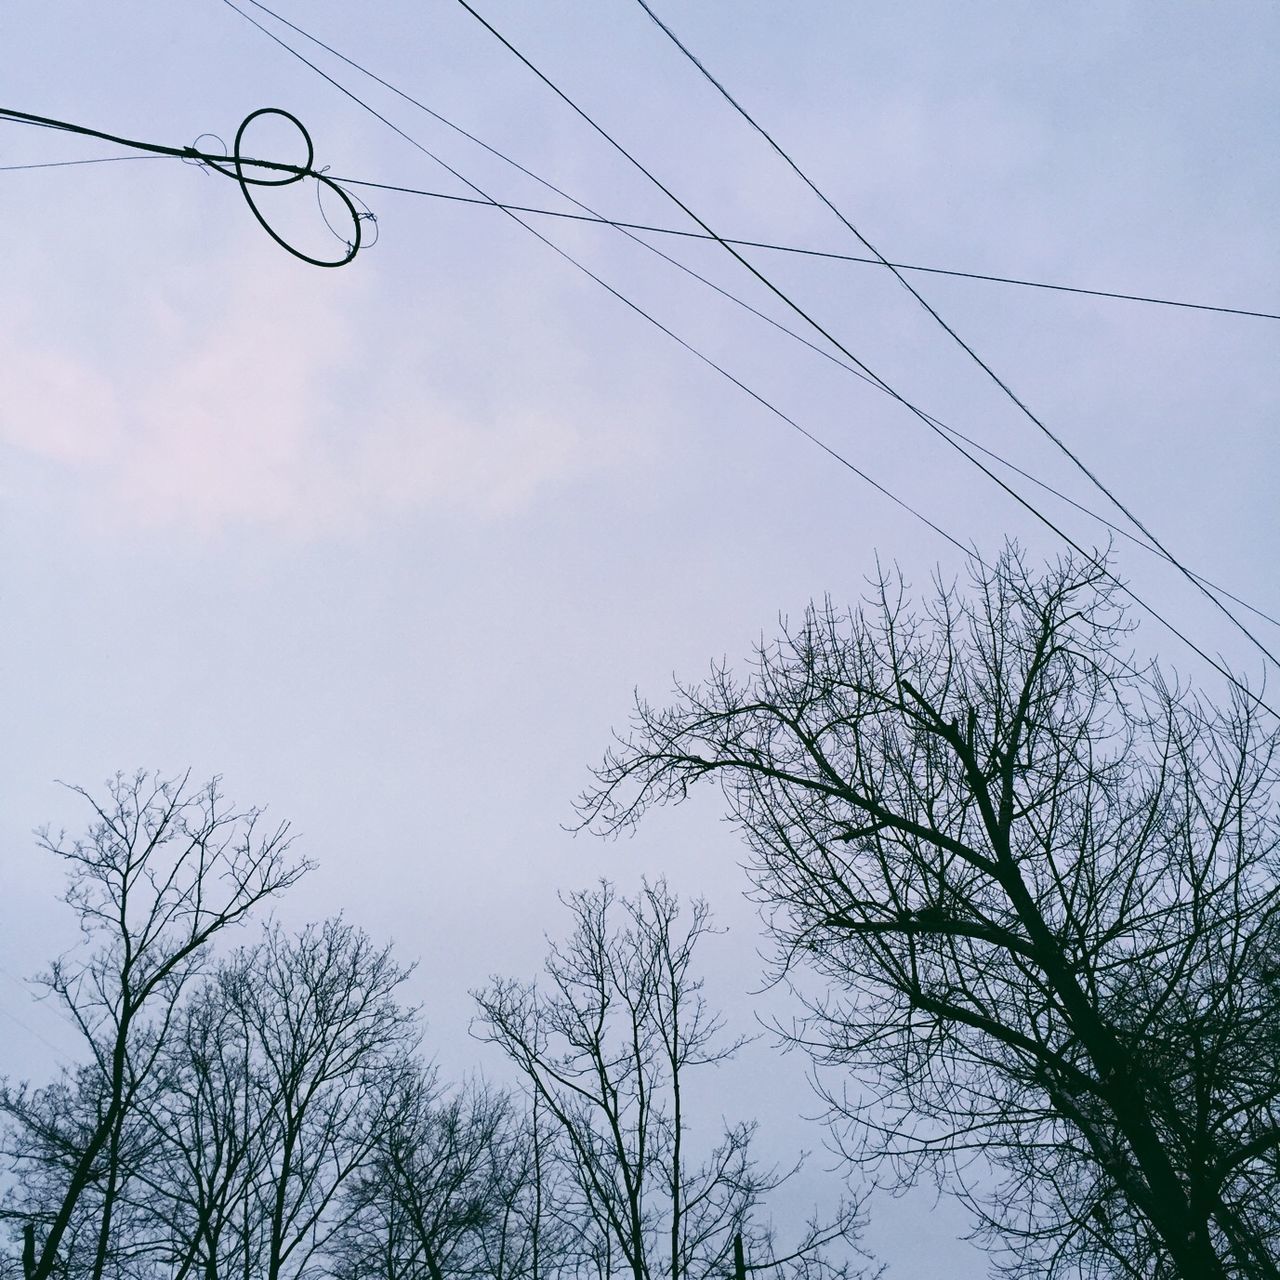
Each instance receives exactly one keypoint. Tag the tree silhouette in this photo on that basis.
(607, 1045)
(1039, 886)
(164, 869)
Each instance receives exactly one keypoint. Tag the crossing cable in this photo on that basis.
(30, 1030)
(685, 234)
(67, 164)
(281, 175)
(918, 413)
(965, 346)
(294, 172)
(589, 214)
(604, 284)
(202, 157)
(1217, 666)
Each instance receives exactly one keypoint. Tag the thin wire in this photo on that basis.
(982, 364)
(918, 413)
(30, 1030)
(294, 172)
(604, 284)
(622, 225)
(1222, 670)
(590, 215)
(593, 216)
(791, 333)
(63, 164)
(154, 148)
(288, 173)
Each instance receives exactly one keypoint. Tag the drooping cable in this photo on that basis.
(590, 215)
(1217, 666)
(293, 173)
(621, 297)
(67, 164)
(1043, 427)
(279, 174)
(918, 413)
(685, 234)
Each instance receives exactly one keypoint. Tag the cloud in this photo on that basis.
(55, 407)
(281, 403)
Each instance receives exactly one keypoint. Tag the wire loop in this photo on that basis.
(196, 150)
(364, 214)
(293, 174)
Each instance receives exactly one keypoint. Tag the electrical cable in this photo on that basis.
(591, 215)
(293, 173)
(1222, 670)
(918, 413)
(604, 284)
(623, 225)
(66, 164)
(969, 350)
(30, 1030)
(791, 333)
(282, 174)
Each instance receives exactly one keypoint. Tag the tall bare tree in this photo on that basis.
(273, 1094)
(458, 1188)
(164, 868)
(207, 1151)
(607, 1046)
(331, 1047)
(1041, 888)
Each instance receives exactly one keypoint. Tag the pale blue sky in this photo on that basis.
(390, 546)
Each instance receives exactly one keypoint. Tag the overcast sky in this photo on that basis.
(389, 547)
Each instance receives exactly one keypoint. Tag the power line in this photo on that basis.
(30, 1030)
(1217, 666)
(281, 175)
(827, 355)
(590, 215)
(624, 225)
(294, 172)
(918, 413)
(812, 253)
(65, 164)
(965, 346)
(568, 257)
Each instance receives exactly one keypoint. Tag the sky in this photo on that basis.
(391, 547)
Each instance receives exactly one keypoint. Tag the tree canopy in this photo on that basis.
(1029, 892)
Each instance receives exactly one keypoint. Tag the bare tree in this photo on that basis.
(456, 1188)
(607, 1046)
(330, 1047)
(1040, 886)
(275, 1090)
(207, 1152)
(163, 869)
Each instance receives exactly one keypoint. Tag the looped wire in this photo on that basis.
(195, 151)
(365, 214)
(288, 174)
